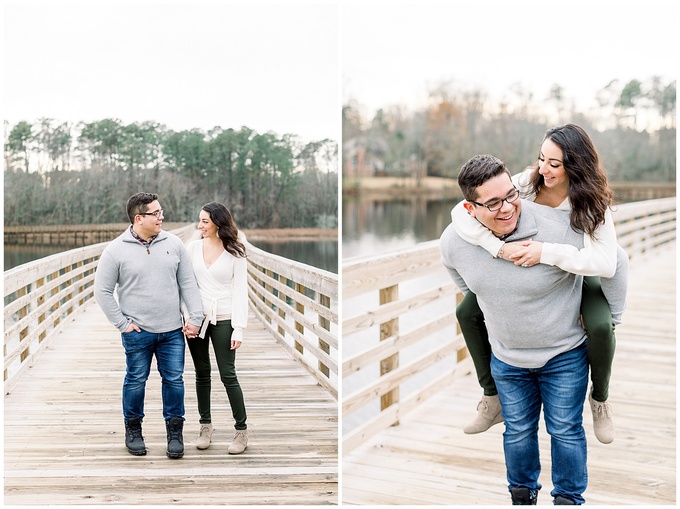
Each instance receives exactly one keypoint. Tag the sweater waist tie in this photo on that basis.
(210, 317)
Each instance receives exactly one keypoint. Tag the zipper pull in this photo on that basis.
(147, 251)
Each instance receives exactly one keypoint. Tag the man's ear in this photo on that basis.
(469, 207)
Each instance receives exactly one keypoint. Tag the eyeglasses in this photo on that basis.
(158, 213)
(498, 204)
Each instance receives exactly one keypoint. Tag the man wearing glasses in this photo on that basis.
(538, 347)
(153, 275)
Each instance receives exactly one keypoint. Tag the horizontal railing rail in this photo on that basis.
(298, 304)
(399, 326)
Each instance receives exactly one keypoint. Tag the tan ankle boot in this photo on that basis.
(240, 442)
(603, 423)
(204, 436)
(488, 414)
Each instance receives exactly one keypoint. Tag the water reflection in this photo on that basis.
(19, 254)
(371, 226)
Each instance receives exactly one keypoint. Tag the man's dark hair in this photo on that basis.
(478, 170)
(138, 203)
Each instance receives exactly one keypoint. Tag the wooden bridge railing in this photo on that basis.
(644, 225)
(298, 304)
(40, 296)
(409, 346)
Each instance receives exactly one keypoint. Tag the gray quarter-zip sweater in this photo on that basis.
(150, 284)
(532, 313)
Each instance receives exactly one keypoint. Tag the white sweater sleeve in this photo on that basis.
(596, 258)
(474, 232)
(239, 299)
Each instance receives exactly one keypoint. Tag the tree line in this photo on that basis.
(64, 173)
(632, 126)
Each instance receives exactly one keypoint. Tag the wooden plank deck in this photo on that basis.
(427, 459)
(64, 432)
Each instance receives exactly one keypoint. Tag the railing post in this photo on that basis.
(80, 288)
(57, 318)
(282, 313)
(299, 307)
(41, 300)
(269, 291)
(387, 330)
(325, 301)
(22, 313)
(69, 296)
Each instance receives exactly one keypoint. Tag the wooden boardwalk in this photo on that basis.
(64, 432)
(427, 459)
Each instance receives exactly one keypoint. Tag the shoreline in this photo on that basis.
(286, 234)
(400, 187)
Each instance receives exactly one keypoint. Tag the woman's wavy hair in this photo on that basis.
(589, 192)
(227, 230)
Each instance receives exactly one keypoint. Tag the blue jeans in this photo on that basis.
(560, 387)
(140, 347)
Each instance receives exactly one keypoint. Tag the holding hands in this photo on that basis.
(190, 331)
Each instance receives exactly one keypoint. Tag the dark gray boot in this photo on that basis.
(174, 427)
(523, 496)
(134, 441)
(560, 500)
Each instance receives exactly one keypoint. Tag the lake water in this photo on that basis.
(321, 254)
(372, 226)
(18, 254)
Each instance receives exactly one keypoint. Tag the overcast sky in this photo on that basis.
(396, 54)
(270, 67)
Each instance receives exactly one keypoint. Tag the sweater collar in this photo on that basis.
(526, 225)
(131, 236)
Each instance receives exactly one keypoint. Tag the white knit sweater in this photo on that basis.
(223, 287)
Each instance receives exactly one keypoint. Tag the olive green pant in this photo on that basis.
(597, 320)
(220, 334)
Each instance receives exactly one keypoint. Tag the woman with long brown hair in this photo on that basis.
(219, 263)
